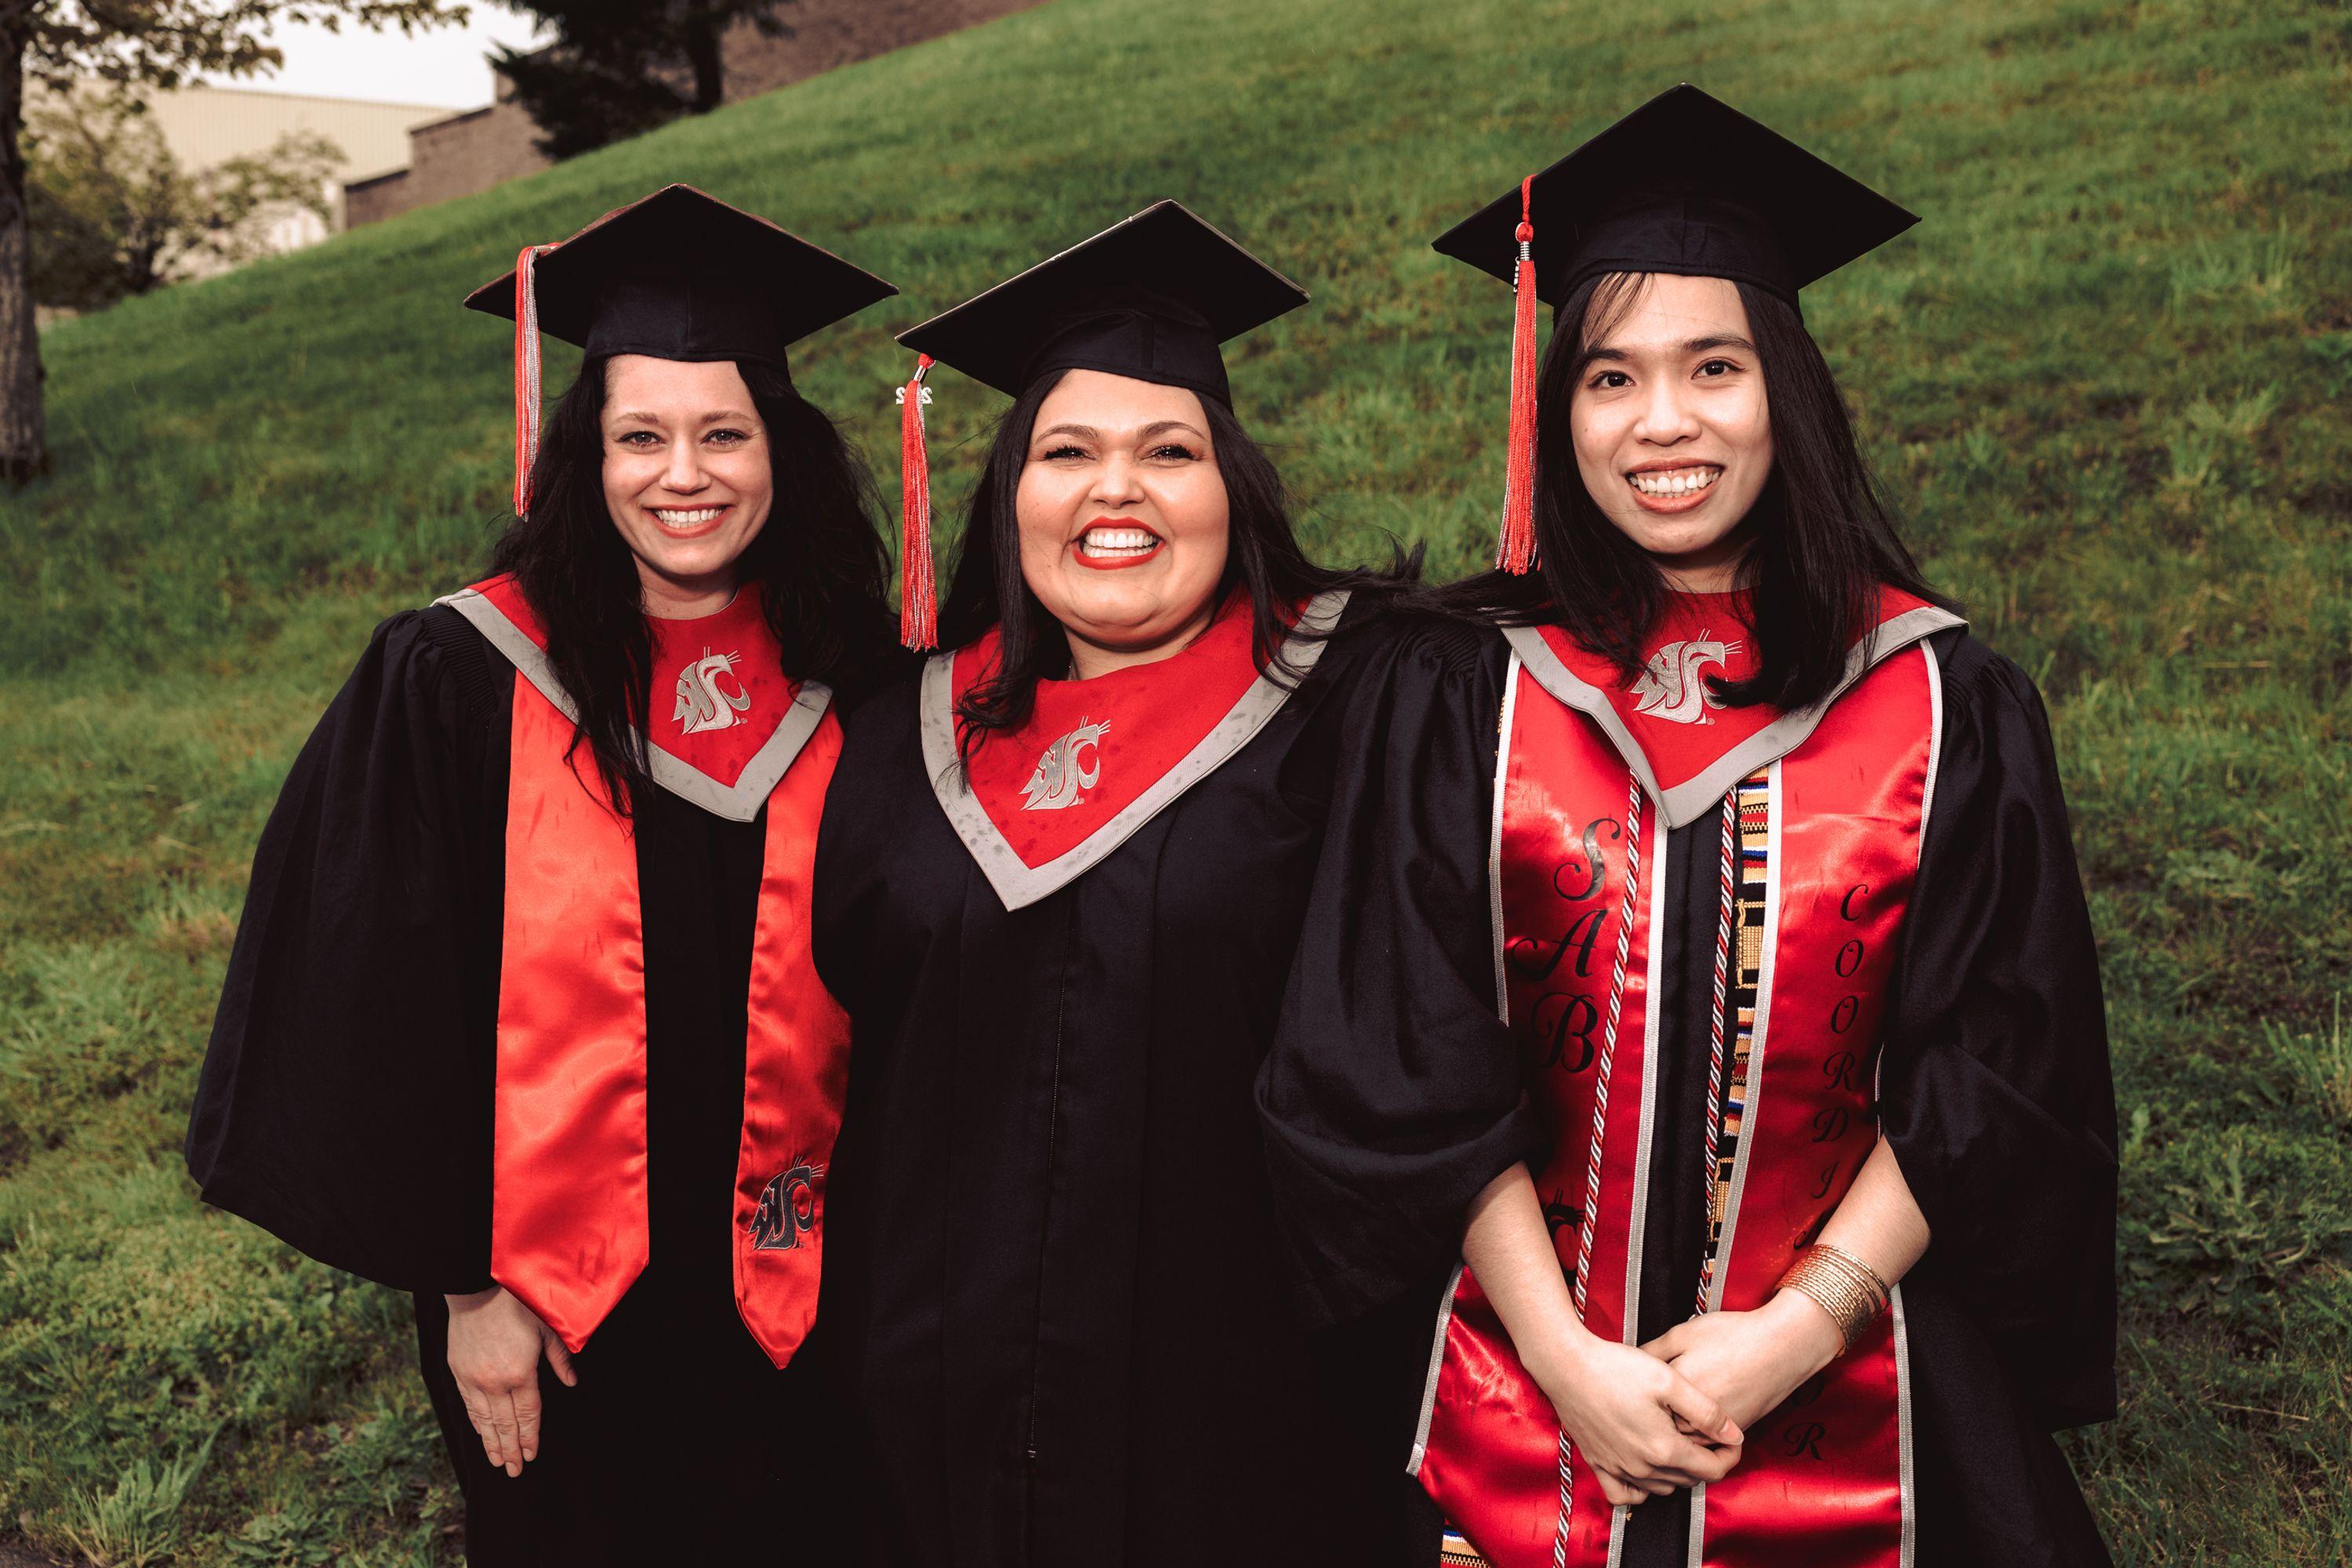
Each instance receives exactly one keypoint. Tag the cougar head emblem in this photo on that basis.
(702, 702)
(1066, 769)
(1672, 687)
(787, 1210)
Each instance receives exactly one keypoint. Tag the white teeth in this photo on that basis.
(1117, 542)
(1677, 482)
(687, 518)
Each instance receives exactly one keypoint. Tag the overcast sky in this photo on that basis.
(445, 67)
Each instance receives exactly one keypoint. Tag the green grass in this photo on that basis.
(2105, 378)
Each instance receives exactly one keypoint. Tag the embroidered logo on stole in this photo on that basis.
(787, 1210)
(1673, 687)
(1063, 770)
(702, 703)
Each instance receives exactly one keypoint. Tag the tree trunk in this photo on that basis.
(702, 38)
(23, 434)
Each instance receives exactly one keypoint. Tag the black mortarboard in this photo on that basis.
(1685, 184)
(1150, 297)
(1153, 297)
(678, 275)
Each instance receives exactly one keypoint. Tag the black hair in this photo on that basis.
(819, 561)
(1823, 537)
(1263, 562)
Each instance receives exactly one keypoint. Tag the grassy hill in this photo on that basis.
(2105, 378)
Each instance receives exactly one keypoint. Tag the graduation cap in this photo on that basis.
(1152, 298)
(678, 275)
(1685, 184)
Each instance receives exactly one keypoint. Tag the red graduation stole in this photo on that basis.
(1098, 759)
(569, 1229)
(1824, 1481)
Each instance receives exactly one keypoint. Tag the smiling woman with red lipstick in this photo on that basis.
(1783, 940)
(521, 1017)
(1059, 885)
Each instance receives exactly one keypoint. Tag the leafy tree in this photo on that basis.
(617, 68)
(114, 214)
(155, 43)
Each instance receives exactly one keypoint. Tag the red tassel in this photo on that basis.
(918, 610)
(1518, 551)
(527, 390)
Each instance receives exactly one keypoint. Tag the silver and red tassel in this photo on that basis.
(918, 610)
(1517, 550)
(526, 371)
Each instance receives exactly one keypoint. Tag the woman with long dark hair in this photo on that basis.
(520, 1016)
(1060, 881)
(1780, 935)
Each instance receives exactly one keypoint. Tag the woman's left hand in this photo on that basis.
(1748, 1362)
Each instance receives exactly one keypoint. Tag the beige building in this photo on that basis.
(205, 126)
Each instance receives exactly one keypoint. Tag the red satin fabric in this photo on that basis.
(740, 633)
(1492, 1456)
(1699, 635)
(1820, 1483)
(1151, 716)
(568, 1229)
(797, 1069)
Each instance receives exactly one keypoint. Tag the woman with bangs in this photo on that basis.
(1781, 939)
(1060, 883)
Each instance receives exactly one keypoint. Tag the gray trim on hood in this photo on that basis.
(1018, 883)
(1687, 801)
(739, 801)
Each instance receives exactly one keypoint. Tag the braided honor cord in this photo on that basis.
(1714, 1036)
(1585, 1221)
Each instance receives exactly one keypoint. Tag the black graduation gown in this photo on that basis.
(1054, 1275)
(1382, 1093)
(346, 1098)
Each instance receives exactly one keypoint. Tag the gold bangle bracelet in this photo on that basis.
(1861, 1273)
(1840, 1284)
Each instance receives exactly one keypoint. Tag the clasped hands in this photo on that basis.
(1674, 1412)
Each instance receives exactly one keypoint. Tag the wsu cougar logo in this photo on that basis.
(1062, 773)
(787, 1210)
(702, 702)
(1671, 687)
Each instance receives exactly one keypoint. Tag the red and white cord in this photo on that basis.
(1608, 1060)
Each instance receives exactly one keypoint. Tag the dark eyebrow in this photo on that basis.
(1693, 346)
(720, 417)
(1090, 433)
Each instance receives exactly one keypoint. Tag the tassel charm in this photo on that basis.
(918, 610)
(1517, 550)
(526, 371)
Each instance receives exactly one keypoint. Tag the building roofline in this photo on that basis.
(450, 117)
(206, 87)
(389, 174)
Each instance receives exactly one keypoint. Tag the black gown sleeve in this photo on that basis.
(345, 1098)
(1995, 1088)
(1392, 1094)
